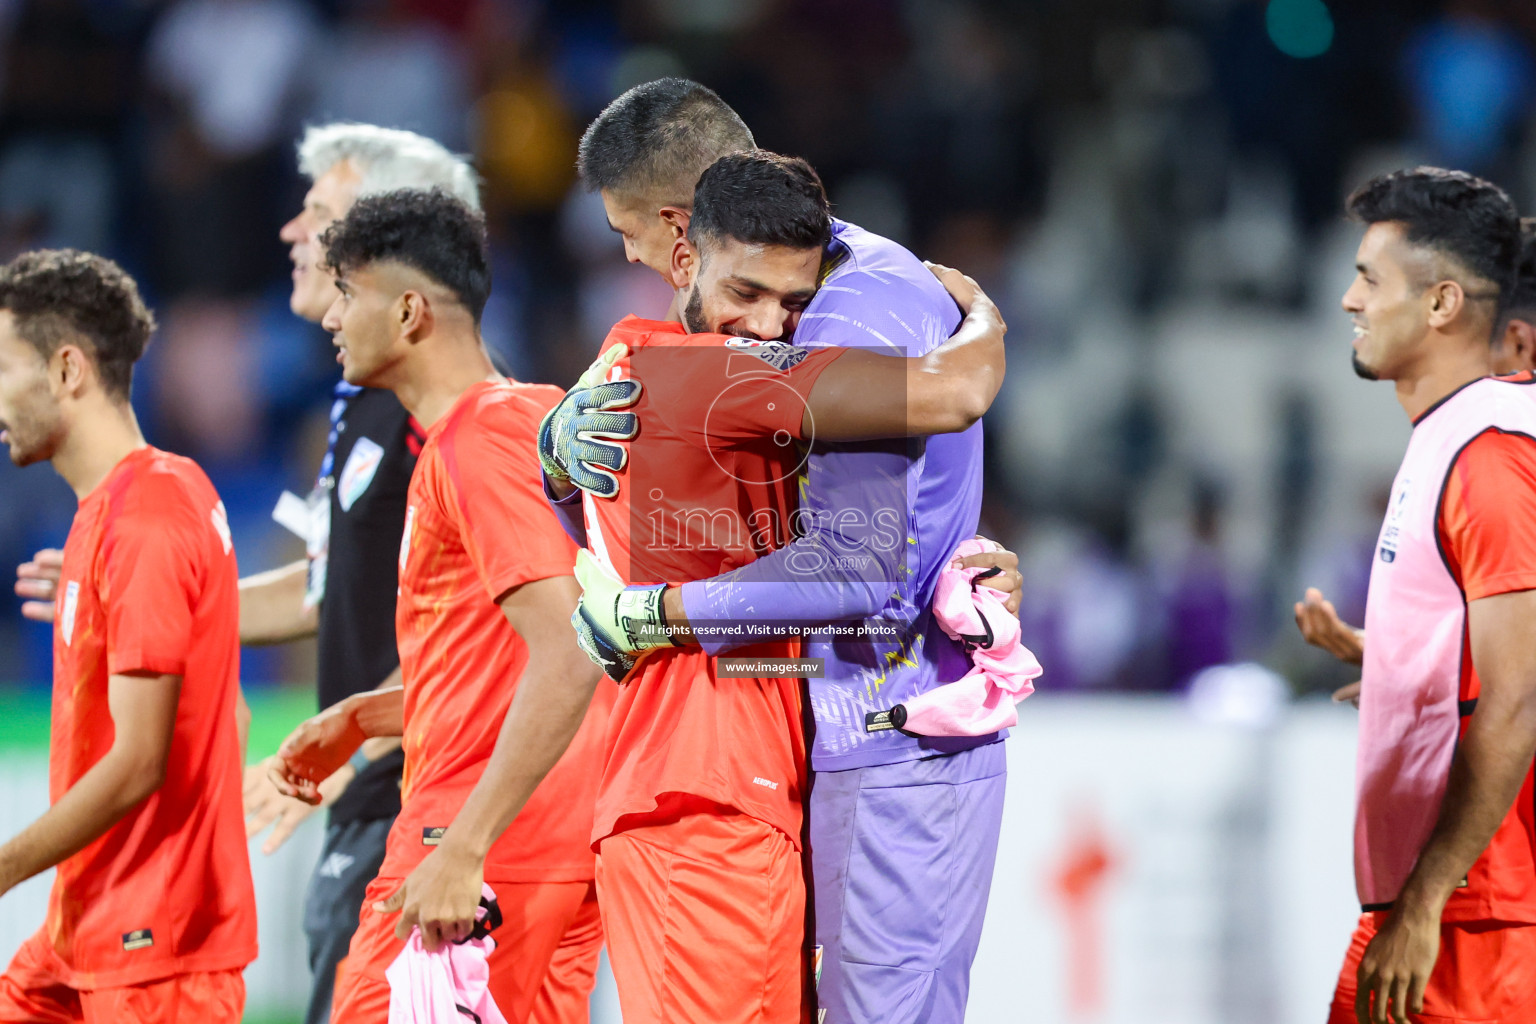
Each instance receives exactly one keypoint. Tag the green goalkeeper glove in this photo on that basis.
(576, 437)
(617, 624)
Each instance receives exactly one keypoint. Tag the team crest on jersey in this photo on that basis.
(432, 835)
(71, 605)
(139, 938)
(780, 355)
(1392, 529)
(357, 474)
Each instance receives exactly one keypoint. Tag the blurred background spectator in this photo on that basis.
(1151, 190)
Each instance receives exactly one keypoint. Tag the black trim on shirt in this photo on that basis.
(1439, 402)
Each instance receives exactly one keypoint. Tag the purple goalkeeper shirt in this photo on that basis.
(880, 520)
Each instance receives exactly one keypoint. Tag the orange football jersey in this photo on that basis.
(709, 486)
(149, 586)
(477, 525)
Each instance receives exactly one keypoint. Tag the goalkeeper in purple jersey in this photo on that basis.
(902, 829)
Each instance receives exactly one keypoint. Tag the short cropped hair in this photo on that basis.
(429, 231)
(656, 139)
(387, 159)
(62, 296)
(760, 198)
(1522, 297)
(1463, 218)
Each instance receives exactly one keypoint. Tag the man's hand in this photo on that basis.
(38, 582)
(264, 805)
(315, 750)
(615, 624)
(1010, 581)
(1321, 626)
(966, 292)
(575, 438)
(440, 897)
(1396, 967)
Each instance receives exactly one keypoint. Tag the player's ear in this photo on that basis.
(68, 369)
(676, 219)
(1520, 341)
(685, 263)
(1446, 301)
(415, 316)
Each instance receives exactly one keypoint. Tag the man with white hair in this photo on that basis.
(344, 591)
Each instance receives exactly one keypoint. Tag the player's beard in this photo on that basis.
(693, 312)
(697, 323)
(33, 434)
(1361, 370)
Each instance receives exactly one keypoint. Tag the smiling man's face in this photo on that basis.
(328, 200)
(1388, 302)
(748, 290)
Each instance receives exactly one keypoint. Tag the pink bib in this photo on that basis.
(1415, 618)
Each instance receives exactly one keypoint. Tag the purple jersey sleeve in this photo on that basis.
(568, 511)
(845, 566)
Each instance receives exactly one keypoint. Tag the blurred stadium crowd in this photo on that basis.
(1150, 189)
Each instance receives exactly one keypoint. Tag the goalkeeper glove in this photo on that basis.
(575, 436)
(616, 624)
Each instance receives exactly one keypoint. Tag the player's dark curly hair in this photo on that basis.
(656, 139)
(761, 198)
(1451, 213)
(62, 296)
(427, 230)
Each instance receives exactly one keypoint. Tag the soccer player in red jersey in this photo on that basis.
(1445, 831)
(699, 818)
(1513, 351)
(486, 651)
(152, 916)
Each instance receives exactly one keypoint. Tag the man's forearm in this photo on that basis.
(844, 566)
(378, 713)
(103, 795)
(953, 386)
(1487, 772)
(865, 395)
(547, 710)
(272, 606)
(377, 746)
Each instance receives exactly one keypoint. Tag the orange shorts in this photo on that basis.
(1486, 974)
(566, 995)
(546, 938)
(32, 991)
(705, 917)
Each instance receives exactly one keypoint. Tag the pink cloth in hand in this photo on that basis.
(430, 988)
(982, 701)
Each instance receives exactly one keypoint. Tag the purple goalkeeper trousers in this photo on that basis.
(901, 865)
